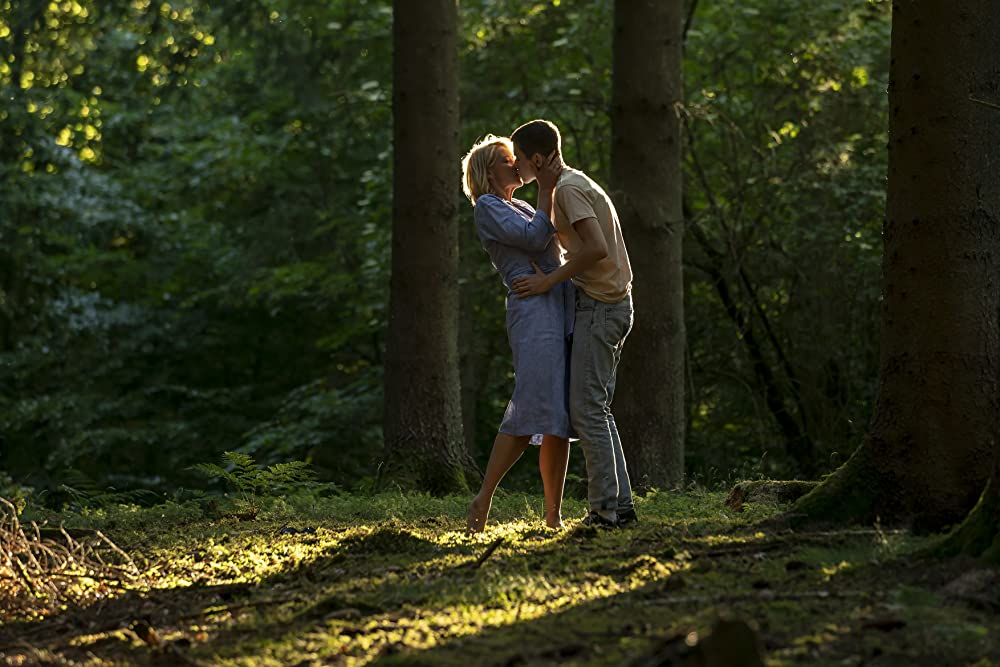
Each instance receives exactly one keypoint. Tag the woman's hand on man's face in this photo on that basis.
(548, 173)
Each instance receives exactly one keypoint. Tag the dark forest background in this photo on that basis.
(195, 222)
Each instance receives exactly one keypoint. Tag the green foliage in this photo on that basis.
(186, 283)
(84, 492)
(15, 493)
(194, 241)
(254, 482)
(785, 178)
(316, 419)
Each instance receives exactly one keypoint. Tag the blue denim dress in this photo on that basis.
(538, 327)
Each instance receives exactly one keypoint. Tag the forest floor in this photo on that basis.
(392, 579)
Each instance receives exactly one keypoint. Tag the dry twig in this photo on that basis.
(40, 574)
(489, 552)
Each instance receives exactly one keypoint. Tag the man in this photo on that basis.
(587, 227)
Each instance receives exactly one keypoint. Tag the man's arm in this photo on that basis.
(593, 248)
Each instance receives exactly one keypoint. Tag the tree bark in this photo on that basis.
(424, 448)
(646, 174)
(979, 534)
(931, 442)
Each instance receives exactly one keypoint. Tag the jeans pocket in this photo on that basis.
(618, 323)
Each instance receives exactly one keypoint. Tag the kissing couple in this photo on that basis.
(569, 310)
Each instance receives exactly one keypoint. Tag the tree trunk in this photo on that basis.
(979, 534)
(930, 445)
(646, 174)
(424, 448)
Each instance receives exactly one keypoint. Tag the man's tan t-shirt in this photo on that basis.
(578, 197)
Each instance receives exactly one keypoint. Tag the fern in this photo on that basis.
(87, 492)
(254, 482)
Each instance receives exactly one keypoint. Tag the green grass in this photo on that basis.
(393, 580)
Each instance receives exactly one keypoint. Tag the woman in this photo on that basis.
(515, 235)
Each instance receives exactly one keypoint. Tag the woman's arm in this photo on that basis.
(547, 176)
(497, 221)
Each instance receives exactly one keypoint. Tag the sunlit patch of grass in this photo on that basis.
(442, 590)
(394, 579)
(487, 599)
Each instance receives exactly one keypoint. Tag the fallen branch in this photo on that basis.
(489, 552)
(39, 575)
(984, 102)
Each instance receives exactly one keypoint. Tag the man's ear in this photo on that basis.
(538, 160)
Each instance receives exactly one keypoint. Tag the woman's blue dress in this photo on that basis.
(538, 327)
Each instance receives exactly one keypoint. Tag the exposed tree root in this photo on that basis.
(848, 496)
(767, 490)
(979, 534)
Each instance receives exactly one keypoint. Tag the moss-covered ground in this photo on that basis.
(392, 579)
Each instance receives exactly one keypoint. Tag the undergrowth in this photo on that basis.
(392, 579)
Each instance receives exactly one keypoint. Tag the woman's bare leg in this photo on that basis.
(507, 449)
(553, 462)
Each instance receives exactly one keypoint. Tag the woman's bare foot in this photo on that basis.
(554, 521)
(478, 512)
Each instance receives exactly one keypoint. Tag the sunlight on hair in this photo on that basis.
(477, 163)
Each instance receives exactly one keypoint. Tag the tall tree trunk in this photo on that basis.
(646, 174)
(424, 448)
(979, 534)
(930, 445)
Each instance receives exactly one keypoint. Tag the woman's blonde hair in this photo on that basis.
(477, 163)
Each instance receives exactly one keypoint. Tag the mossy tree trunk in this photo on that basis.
(931, 442)
(424, 448)
(979, 534)
(646, 174)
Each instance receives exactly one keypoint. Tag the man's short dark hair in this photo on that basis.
(537, 136)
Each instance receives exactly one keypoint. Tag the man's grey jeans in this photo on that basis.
(598, 338)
